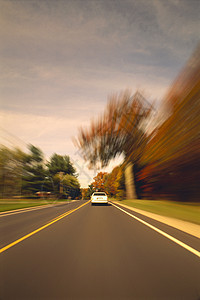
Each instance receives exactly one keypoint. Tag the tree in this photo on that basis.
(68, 185)
(90, 190)
(34, 172)
(6, 174)
(84, 193)
(121, 188)
(170, 164)
(64, 176)
(99, 181)
(111, 183)
(115, 183)
(26, 173)
(11, 170)
(87, 192)
(119, 131)
(59, 163)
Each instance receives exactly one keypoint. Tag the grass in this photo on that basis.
(12, 204)
(184, 211)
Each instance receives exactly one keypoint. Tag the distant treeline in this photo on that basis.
(29, 175)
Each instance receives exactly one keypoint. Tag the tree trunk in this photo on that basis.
(129, 182)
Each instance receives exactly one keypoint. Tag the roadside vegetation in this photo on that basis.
(161, 149)
(161, 167)
(189, 212)
(30, 176)
(12, 204)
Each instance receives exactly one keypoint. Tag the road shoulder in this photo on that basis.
(187, 227)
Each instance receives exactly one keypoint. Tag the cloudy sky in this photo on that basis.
(60, 60)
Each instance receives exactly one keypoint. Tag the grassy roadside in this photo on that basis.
(184, 211)
(12, 204)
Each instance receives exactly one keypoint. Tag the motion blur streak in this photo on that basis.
(163, 149)
(171, 159)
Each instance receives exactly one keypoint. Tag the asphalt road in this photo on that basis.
(96, 252)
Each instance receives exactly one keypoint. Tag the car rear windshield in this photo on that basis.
(99, 194)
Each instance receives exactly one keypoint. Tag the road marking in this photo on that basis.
(27, 209)
(22, 210)
(41, 228)
(192, 250)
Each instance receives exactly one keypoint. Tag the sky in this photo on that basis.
(60, 60)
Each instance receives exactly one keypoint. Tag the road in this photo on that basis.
(94, 252)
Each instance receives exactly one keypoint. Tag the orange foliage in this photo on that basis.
(117, 131)
(99, 181)
(171, 159)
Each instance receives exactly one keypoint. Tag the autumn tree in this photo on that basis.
(99, 181)
(84, 193)
(113, 183)
(170, 162)
(120, 130)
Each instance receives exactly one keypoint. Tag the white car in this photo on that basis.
(99, 197)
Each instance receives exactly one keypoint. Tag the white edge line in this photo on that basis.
(192, 250)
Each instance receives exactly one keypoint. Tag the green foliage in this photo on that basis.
(67, 185)
(87, 192)
(59, 163)
(26, 173)
(90, 190)
(34, 172)
(36, 155)
(189, 212)
(115, 183)
(64, 176)
(11, 170)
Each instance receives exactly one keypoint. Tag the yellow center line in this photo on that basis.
(41, 228)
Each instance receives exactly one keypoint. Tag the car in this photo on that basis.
(99, 197)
